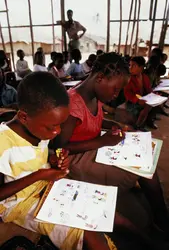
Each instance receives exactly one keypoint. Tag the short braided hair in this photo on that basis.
(110, 64)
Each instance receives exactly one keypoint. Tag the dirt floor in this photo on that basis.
(162, 133)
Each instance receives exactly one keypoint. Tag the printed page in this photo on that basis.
(164, 83)
(80, 205)
(135, 151)
(154, 100)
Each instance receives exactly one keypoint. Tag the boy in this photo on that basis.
(22, 67)
(43, 106)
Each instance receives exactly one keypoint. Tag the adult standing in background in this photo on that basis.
(72, 28)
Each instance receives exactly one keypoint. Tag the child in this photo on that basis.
(88, 64)
(39, 62)
(75, 70)
(81, 136)
(53, 59)
(57, 69)
(66, 60)
(4, 62)
(22, 67)
(43, 106)
(139, 84)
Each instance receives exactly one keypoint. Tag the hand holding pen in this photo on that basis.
(60, 159)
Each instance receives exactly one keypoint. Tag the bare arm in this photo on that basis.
(74, 147)
(77, 147)
(11, 188)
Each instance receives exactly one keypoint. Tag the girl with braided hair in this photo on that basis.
(81, 136)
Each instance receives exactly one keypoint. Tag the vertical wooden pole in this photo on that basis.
(120, 30)
(64, 44)
(108, 26)
(2, 38)
(53, 26)
(128, 27)
(134, 23)
(152, 27)
(163, 26)
(151, 9)
(31, 30)
(10, 34)
(137, 31)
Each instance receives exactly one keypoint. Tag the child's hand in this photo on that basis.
(61, 162)
(52, 174)
(111, 138)
(141, 102)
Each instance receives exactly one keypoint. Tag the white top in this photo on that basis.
(37, 67)
(66, 66)
(21, 66)
(86, 69)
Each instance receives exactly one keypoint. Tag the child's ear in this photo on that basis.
(22, 116)
(100, 77)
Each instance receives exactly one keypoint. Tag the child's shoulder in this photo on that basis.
(5, 138)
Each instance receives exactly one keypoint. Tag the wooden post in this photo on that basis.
(31, 30)
(10, 35)
(2, 38)
(108, 26)
(137, 31)
(128, 27)
(120, 30)
(53, 26)
(152, 28)
(134, 23)
(163, 26)
(151, 9)
(64, 43)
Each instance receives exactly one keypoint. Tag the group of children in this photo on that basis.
(50, 117)
(60, 66)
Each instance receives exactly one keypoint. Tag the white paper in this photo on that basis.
(154, 100)
(71, 83)
(135, 151)
(164, 83)
(161, 88)
(80, 205)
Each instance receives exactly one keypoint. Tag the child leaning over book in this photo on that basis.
(43, 106)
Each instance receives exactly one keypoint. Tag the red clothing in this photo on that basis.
(88, 126)
(132, 88)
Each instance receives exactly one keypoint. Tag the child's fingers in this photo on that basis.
(64, 154)
(65, 164)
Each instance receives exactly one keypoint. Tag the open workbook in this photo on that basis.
(78, 204)
(138, 154)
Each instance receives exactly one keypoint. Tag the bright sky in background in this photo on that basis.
(90, 13)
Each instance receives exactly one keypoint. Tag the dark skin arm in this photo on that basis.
(77, 147)
(11, 188)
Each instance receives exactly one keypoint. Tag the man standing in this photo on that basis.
(72, 28)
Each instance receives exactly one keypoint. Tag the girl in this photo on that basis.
(57, 69)
(38, 62)
(75, 70)
(81, 136)
(43, 106)
(139, 84)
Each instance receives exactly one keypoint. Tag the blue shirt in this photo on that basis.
(8, 95)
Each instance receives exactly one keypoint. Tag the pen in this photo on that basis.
(120, 133)
(58, 152)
